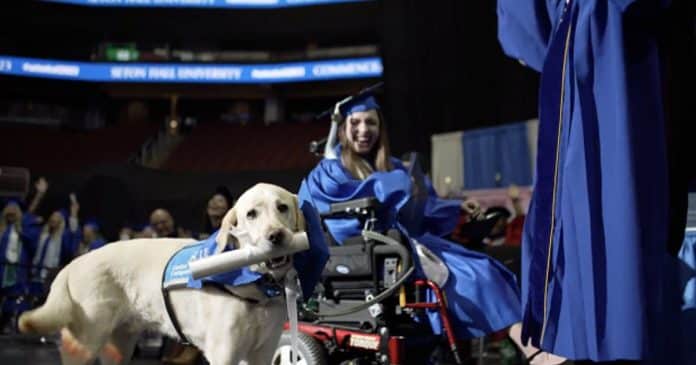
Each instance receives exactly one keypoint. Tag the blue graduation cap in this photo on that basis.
(92, 223)
(13, 201)
(64, 213)
(139, 227)
(360, 103)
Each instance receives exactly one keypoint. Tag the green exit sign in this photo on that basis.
(121, 53)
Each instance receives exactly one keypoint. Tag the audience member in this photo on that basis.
(126, 233)
(18, 235)
(218, 205)
(91, 237)
(58, 242)
(162, 223)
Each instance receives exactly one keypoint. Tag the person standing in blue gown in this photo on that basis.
(18, 235)
(482, 295)
(594, 281)
(58, 244)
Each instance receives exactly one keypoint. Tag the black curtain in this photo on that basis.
(678, 56)
(444, 70)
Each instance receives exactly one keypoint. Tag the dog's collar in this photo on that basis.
(270, 286)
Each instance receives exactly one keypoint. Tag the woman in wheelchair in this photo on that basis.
(482, 295)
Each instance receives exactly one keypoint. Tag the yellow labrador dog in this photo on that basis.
(104, 299)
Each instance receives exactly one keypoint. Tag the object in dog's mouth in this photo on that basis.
(268, 255)
(277, 262)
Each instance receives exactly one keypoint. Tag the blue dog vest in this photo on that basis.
(177, 273)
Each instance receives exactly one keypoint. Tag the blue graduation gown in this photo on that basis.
(687, 286)
(12, 277)
(97, 243)
(482, 295)
(27, 238)
(69, 244)
(593, 275)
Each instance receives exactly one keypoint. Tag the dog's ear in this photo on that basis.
(299, 216)
(229, 221)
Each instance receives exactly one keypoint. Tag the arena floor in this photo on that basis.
(26, 350)
(15, 350)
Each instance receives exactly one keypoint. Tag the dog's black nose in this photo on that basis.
(276, 236)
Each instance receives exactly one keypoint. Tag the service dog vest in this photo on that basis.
(177, 273)
(241, 283)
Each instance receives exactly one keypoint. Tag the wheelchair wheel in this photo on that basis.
(310, 351)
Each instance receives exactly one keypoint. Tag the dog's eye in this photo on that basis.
(251, 214)
(282, 208)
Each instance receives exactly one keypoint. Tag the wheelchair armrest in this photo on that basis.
(358, 208)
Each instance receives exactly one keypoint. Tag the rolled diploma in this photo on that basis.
(235, 259)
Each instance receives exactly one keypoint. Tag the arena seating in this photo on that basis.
(225, 147)
(54, 150)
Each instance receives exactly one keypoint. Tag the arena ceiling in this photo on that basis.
(57, 30)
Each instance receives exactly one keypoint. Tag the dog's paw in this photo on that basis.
(112, 353)
(25, 325)
(71, 346)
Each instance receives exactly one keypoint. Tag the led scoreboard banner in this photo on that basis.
(202, 3)
(353, 68)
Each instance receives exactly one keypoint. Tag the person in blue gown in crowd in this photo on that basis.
(19, 231)
(595, 286)
(17, 238)
(91, 237)
(482, 295)
(58, 243)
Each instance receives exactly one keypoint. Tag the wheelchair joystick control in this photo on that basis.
(376, 309)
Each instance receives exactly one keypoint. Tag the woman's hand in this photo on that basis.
(514, 192)
(74, 205)
(41, 185)
(472, 207)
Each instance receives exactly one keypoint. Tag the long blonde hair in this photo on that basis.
(3, 221)
(354, 163)
(58, 233)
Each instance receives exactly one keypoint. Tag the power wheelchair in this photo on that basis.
(369, 308)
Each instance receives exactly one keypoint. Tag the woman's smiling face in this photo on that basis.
(362, 131)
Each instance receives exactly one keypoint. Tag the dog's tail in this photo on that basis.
(52, 315)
